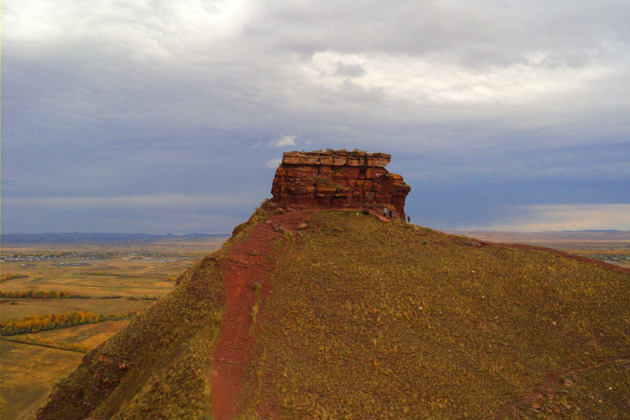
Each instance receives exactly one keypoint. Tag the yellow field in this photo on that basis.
(90, 335)
(14, 309)
(103, 278)
(82, 336)
(28, 371)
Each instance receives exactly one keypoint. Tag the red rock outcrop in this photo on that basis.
(339, 179)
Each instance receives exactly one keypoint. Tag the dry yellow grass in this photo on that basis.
(123, 278)
(80, 337)
(89, 336)
(42, 366)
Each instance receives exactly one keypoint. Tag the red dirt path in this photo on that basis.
(246, 264)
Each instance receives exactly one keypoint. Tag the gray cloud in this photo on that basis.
(349, 70)
(136, 99)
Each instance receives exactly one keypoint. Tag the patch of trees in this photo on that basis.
(111, 274)
(4, 277)
(63, 294)
(39, 294)
(36, 323)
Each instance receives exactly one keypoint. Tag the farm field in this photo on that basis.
(81, 337)
(102, 279)
(126, 278)
(15, 309)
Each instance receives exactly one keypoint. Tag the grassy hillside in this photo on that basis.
(152, 368)
(367, 319)
(158, 366)
(375, 319)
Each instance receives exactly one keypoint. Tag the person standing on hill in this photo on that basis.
(391, 213)
(408, 219)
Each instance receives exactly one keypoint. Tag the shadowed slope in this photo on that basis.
(363, 318)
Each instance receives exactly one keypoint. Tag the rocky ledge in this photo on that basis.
(339, 179)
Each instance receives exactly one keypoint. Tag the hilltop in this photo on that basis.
(321, 307)
(333, 313)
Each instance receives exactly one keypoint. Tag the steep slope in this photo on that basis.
(338, 314)
(160, 366)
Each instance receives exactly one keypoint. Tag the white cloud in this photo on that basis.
(273, 163)
(423, 80)
(285, 141)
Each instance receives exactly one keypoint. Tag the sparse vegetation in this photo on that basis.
(400, 321)
(323, 180)
(288, 235)
(340, 188)
(257, 287)
(355, 150)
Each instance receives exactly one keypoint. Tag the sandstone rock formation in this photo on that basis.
(339, 179)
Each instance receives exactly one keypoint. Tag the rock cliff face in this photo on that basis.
(339, 179)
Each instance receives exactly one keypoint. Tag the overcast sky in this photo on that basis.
(170, 116)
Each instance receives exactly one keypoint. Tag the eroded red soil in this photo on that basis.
(246, 275)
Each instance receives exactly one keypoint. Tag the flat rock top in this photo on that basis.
(339, 158)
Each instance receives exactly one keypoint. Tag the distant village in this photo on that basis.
(76, 258)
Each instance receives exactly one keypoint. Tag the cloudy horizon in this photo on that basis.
(163, 117)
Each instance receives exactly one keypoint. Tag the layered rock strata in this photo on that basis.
(339, 179)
